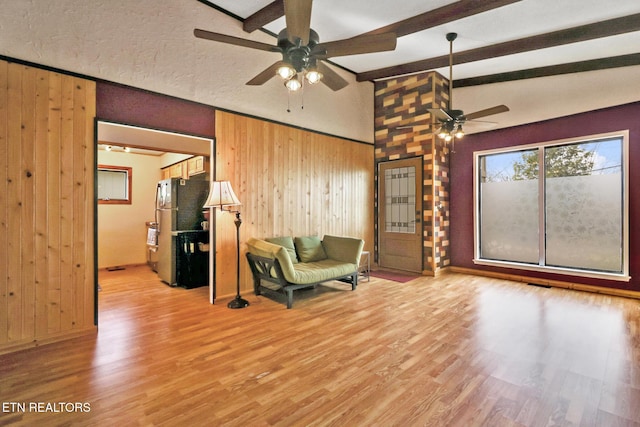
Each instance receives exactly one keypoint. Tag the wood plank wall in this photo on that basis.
(46, 206)
(290, 182)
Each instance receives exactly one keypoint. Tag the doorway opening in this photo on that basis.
(124, 233)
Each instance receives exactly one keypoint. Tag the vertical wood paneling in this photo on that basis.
(14, 181)
(27, 205)
(291, 182)
(40, 182)
(46, 206)
(66, 205)
(53, 204)
(4, 223)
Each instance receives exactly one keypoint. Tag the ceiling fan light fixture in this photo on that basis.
(442, 133)
(459, 132)
(313, 76)
(293, 84)
(286, 71)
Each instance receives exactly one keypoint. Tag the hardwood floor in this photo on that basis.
(457, 350)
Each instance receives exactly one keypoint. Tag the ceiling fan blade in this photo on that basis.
(440, 114)
(265, 75)
(237, 41)
(330, 77)
(298, 17)
(487, 112)
(367, 43)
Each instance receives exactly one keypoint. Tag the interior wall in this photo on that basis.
(122, 234)
(291, 182)
(403, 129)
(162, 55)
(591, 123)
(46, 206)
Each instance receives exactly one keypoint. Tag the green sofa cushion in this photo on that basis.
(345, 249)
(321, 271)
(309, 249)
(287, 243)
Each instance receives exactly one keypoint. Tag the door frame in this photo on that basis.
(418, 163)
(161, 140)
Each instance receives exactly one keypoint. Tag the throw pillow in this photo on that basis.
(287, 243)
(309, 249)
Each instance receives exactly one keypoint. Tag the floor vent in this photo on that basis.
(539, 285)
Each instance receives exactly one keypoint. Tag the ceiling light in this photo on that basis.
(459, 132)
(286, 71)
(127, 149)
(313, 76)
(107, 148)
(293, 84)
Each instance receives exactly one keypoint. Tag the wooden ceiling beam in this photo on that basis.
(432, 18)
(552, 70)
(442, 15)
(581, 33)
(267, 14)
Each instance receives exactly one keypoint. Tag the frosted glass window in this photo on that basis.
(584, 206)
(509, 209)
(577, 224)
(400, 200)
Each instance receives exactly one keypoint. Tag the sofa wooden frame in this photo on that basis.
(261, 268)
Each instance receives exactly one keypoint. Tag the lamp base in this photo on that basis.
(238, 302)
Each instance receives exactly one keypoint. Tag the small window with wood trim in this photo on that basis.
(114, 185)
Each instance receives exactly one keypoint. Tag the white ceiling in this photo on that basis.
(150, 141)
(338, 19)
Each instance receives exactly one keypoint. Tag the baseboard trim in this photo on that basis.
(37, 342)
(547, 282)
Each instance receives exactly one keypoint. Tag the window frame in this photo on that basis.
(129, 172)
(622, 276)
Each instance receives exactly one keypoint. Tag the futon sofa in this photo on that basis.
(286, 264)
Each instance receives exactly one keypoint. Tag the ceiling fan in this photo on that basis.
(451, 120)
(302, 52)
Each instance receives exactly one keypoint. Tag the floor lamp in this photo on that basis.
(222, 197)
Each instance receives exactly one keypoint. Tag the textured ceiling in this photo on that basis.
(509, 37)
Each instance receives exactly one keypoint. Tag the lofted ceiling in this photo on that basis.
(498, 40)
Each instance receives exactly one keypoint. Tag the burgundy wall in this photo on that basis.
(601, 121)
(128, 105)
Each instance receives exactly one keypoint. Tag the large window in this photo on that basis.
(558, 206)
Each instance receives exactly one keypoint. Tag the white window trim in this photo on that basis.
(623, 276)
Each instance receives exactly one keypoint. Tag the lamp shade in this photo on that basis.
(221, 195)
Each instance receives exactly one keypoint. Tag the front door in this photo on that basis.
(399, 214)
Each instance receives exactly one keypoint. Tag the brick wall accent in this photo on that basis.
(402, 102)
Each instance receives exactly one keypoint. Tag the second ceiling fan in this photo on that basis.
(302, 53)
(451, 120)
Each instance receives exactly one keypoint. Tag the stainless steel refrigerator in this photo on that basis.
(179, 216)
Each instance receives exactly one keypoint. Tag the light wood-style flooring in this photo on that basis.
(457, 350)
